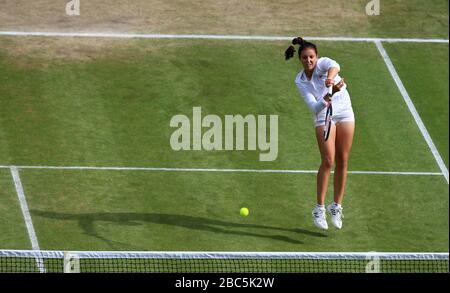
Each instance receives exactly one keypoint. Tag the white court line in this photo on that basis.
(213, 170)
(413, 110)
(26, 215)
(212, 37)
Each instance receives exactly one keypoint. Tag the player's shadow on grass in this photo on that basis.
(87, 220)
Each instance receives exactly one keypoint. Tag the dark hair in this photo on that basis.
(289, 53)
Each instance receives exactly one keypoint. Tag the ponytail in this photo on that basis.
(289, 53)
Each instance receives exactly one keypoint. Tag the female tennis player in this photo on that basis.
(313, 82)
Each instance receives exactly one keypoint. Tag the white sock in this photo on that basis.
(320, 206)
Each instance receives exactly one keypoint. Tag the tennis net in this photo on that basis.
(220, 262)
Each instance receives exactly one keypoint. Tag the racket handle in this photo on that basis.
(330, 91)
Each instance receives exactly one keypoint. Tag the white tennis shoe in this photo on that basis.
(336, 215)
(320, 218)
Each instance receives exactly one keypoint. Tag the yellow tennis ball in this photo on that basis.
(244, 212)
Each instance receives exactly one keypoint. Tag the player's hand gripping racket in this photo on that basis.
(328, 116)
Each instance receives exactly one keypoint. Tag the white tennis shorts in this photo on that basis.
(341, 116)
(342, 110)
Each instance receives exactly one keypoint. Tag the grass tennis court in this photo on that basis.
(108, 103)
(163, 211)
(14, 233)
(423, 81)
(115, 111)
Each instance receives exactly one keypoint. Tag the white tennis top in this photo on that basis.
(314, 90)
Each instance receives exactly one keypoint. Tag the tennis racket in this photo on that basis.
(328, 116)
